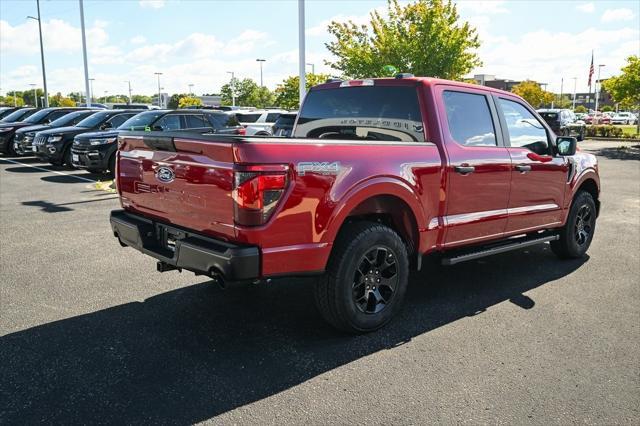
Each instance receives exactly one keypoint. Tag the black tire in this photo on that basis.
(112, 164)
(66, 158)
(365, 255)
(577, 234)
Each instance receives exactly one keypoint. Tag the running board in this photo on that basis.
(516, 245)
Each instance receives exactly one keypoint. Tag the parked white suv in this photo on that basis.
(259, 122)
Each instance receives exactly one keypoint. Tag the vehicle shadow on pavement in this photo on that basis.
(48, 207)
(620, 153)
(190, 354)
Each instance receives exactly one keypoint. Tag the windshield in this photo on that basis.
(15, 116)
(38, 116)
(142, 120)
(94, 120)
(385, 113)
(67, 120)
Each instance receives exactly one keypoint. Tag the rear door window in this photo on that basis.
(469, 119)
(248, 118)
(196, 121)
(272, 117)
(119, 119)
(376, 113)
(170, 122)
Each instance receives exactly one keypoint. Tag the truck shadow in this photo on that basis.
(620, 153)
(190, 354)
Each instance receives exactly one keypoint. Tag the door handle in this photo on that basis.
(464, 170)
(523, 168)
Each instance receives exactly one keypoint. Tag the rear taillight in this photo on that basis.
(241, 131)
(257, 192)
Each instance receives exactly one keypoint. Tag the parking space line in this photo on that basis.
(49, 171)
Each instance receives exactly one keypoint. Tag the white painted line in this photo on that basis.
(49, 171)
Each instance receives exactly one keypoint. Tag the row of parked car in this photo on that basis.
(86, 137)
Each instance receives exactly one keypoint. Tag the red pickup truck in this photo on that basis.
(378, 174)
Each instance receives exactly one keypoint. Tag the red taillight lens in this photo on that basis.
(241, 131)
(256, 195)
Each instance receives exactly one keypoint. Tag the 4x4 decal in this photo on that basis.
(320, 167)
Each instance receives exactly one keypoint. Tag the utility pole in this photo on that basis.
(44, 74)
(301, 51)
(598, 80)
(35, 95)
(159, 94)
(129, 83)
(91, 80)
(561, 89)
(231, 86)
(15, 100)
(261, 61)
(575, 80)
(84, 54)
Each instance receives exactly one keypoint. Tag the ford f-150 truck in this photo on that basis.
(378, 173)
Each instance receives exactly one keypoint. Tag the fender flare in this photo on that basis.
(368, 189)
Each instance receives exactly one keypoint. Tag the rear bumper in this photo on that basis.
(188, 250)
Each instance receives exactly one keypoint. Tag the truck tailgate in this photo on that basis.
(183, 182)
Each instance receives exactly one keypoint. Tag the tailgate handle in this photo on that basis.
(159, 143)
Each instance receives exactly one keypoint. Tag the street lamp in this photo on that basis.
(302, 88)
(105, 96)
(597, 81)
(129, 83)
(84, 52)
(313, 67)
(261, 61)
(44, 74)
(159, 95)
(91, 80)
(35, 96)
(190, 88)
(233, 92)
(575, 80)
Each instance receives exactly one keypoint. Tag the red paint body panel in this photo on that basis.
(448, 209)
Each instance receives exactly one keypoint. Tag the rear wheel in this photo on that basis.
(112, 164)
(67, 157)
(576, 235)
(366, 278)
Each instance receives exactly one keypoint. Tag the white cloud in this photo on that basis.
(152, 4)
(139, 39)
(483, 7)
(586, 7)
(622, 14)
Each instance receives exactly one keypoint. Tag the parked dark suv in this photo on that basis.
(17, 114)
(54, 145)
(563, 122)
(23, 140)
(43, 116)
(96, 151)
(4, 111)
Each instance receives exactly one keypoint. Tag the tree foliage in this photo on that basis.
(288, 92)
(247, 93)
(425, 38)
(625, 88)
(531, 92)
(58, 100)
(581, 109)
(187, 101)
(141, 99)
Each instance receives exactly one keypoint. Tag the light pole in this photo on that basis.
(44, 74)
(231, 86)
(575, 79)
(313, 67)
(129, 83)
(598, 80)
(35, 96)
(261, 61)
(159, 95)
(301, 62)
(15, 100)
(561, 89)
(190, 88)
(84, 54)
(91, 80)
(105, 96)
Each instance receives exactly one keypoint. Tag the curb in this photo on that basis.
(611, 139)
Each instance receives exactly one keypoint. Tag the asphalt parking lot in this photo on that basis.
(91, 333)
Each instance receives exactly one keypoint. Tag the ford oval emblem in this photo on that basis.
(165, 174)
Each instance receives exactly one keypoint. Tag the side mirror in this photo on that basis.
(566, 146)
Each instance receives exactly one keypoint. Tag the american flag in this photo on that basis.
(591, 70)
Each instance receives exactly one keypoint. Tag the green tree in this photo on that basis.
(187, 101)
(581, 109)
(288, 92)
(606, 108)
(531, 92)
(58, 100)
(425, 38)
(27, 97)
(141, 99)
(77, 97)
(174, 101)
(247, 92)
(625, 88)
(10, 100)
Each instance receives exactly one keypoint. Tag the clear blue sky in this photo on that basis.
(199, 41)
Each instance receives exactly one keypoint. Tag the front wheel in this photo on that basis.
(366, 278)
(577, 233)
